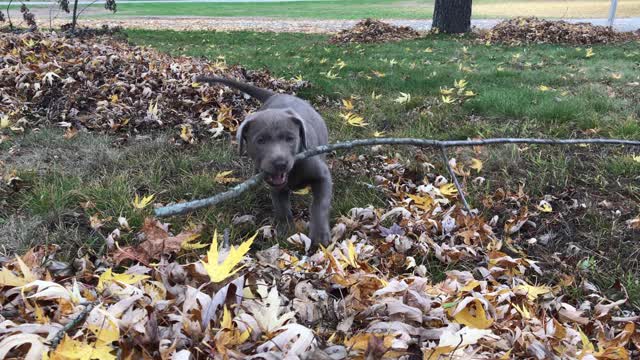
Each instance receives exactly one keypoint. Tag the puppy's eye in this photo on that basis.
(290, 139)
(261, 140)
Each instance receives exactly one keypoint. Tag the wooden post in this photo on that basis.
(612, 12)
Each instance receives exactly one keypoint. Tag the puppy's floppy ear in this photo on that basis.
(297, 119)
(243, 131)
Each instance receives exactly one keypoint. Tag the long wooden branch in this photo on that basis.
(70, 325)
(186, 207)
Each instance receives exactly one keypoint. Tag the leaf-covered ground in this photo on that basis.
(545, 268)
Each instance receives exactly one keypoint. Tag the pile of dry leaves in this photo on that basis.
(527, 30)
(370, 31)
(370, 295)
(101, 83)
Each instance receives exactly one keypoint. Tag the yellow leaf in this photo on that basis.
(375, 96)
(347, 104)
(108, 277)
(360, 341)
(379, 134)
(544, 206)
(448, 99)
(189, 244)
(587, 346)
(340, 64)
(448, 190)
(544, 88)
(533, 291)
(186, 134)
(70, 349)
(469, 93)
(403, 98)
(304, 191)
(8, 278)
(428, 50)
(422, 202)
(589, 53)
(223, 177)
(460, 84)
(142, 203)
(219, 271)
(354, 120)
(351, 257)
(636, 158)
(446, 91)
(476, 165)
(473, 316)
(378, 73)
(616, 76)
(524, 311)
(330, 75)
(114, 98)
(4, 122)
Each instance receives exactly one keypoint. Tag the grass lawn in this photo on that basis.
(409, 9)
(534, 91)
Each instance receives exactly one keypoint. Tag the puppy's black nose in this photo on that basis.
(280, 165)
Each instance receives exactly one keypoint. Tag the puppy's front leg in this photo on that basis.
(319, 223)
(282, 210)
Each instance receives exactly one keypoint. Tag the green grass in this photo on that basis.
(584, 98)
(389, 9)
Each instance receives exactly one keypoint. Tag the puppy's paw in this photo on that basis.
(320, 237)
(285, 227)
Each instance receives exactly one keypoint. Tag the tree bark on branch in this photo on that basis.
(186, 207)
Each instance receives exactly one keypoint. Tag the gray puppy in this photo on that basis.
(284, 126)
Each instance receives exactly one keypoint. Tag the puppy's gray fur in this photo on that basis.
(284, 126)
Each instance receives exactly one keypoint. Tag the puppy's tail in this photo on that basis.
(256, 92)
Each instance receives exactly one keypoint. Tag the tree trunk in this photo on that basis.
(74, 21)
(452, 16)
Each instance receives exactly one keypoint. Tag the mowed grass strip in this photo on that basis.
(386, 9)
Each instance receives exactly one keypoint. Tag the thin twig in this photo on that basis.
(186, 207)
(70, 325)
(445, 158)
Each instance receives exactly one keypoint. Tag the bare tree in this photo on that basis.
(452, 16)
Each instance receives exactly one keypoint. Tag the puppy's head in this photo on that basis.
(272, 138)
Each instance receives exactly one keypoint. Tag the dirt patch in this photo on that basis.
(533, 30)
(372, 31)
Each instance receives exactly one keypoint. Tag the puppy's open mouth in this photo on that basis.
(277, 180)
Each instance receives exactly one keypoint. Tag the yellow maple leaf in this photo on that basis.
(476, 165)
(428, 50)
(589, 53)
(350, 258)
(347, 104)
(544, 88)
(447, 99)
(142, 203)
(532, 291)
(636, 158)
(186, 134)
(544, 206)
(446, 91)
(469, 93)
(223, 177)
(353, 119)
(616, 76)
(460, 84)
(448, 189)
(403, 98)
(108, 277)
(4, 122)
(189, 244)
(422, 202)
(9, 278)
(303, 191)
(473, 315)
(378, 73)
(379, 134)
(330, 75)
(70, 349)
(219, 271)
